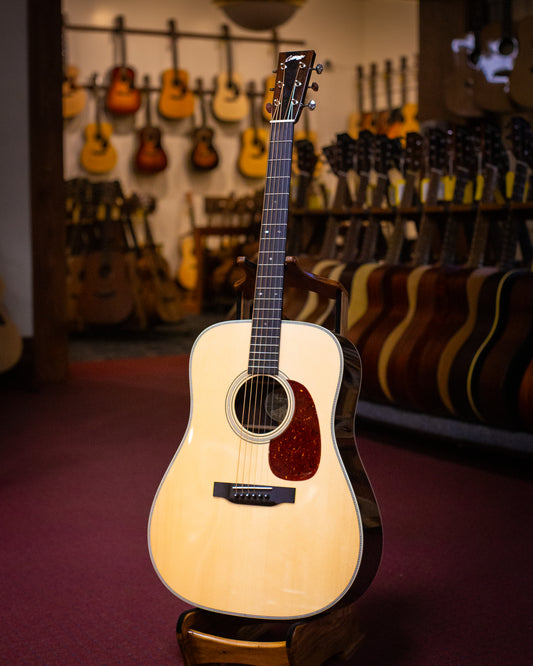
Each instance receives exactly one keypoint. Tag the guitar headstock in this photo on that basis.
(346, 147)
(382, 153)
(436, 149)
(414, 152)
(292, 81)
(521, 139)
(363, 151)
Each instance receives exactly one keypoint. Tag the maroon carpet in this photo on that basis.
(81, 463)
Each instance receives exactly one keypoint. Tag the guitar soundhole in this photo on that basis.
(261, 405)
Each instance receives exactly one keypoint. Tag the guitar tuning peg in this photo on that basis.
(268, 107)
(311, 105)
(314, 86)
(319, 68)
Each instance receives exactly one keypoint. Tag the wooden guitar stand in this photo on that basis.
(296, 277)
(211, 638)
(205, 637)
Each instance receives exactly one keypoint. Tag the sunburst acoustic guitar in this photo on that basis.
(259, 513)
(150, 157)
(203, 155)
(122, 98)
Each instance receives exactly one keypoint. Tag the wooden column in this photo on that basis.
(50, 342)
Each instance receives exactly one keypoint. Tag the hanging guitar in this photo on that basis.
(74, 96)
(150, 156)
(98, 154)
(123, 98)
(253, 156)
(176, 99)
(259, 513)
(230, 102)
(204, 156)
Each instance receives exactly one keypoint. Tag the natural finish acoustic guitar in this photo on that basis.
(73, 95)
(230, 102)
(177, 99)
(253, 155)
(98, 155)
(265, 510)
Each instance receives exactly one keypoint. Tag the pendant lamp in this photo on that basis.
(259, 14)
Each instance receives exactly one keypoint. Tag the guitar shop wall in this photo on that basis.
(344, 34)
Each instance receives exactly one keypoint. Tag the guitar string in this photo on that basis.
(257, 413)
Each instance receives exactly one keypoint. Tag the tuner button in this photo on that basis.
(268, 107)
(312, 105)
(314, 86)
(319, 68)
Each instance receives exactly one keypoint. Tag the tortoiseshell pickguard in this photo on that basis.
(295, 454)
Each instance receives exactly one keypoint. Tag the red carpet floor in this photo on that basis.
(79, 467)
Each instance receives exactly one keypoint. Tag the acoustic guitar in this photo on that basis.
(298, 303)
(176, 100)
(203, 155)
(374, 307)
(122, 98)
(410, 121)
(150, 157)
(230, 102)
(159, 292)
(403, 284)
(74, 96)
(359, 120)
(467, 285)
(260, 513)
(98, 155)
(422, 340)
(506, 349)
(270, 81)
(253, 155)
(10, 339)
(188, 266)
(107, 296)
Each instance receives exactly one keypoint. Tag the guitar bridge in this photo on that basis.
(256, 495)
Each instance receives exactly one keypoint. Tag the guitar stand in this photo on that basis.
(205, 637)
(211, 638)
(295, 277)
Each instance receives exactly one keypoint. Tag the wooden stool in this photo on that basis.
(211, 638)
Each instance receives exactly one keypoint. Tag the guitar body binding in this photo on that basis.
(304, 541)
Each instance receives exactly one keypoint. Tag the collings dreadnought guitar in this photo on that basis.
(258, 514)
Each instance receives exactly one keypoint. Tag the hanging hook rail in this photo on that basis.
(180, 34)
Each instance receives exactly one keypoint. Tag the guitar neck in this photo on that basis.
(423, 244)
(173, 44)
(268, 298)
